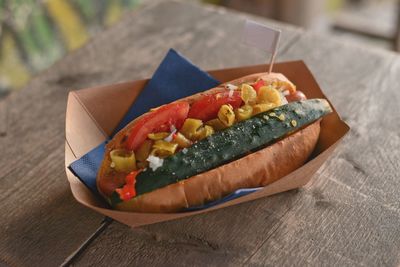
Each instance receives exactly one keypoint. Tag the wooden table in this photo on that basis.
(348, 215)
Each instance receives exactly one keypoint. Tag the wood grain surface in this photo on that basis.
(347, 216)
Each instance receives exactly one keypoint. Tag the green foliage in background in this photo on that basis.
(35, 33)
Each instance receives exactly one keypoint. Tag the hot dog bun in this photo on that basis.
(256, 169)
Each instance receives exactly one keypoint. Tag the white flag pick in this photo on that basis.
(262, 37)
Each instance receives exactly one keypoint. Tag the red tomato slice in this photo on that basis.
(158, 120)
(207, 107)
(258, 85)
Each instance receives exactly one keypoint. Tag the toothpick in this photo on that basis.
(271, 62)
(274, 53)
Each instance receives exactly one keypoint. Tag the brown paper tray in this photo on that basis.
(93, 113)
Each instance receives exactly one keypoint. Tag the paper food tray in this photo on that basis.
(93, 113)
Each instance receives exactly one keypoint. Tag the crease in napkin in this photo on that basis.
(175, 78)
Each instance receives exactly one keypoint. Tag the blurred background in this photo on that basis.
(36, 33)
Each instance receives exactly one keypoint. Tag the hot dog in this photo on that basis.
(246, 133)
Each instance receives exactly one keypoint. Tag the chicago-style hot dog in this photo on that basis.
(245, 133)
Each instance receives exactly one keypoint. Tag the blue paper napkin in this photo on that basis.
(175, 78)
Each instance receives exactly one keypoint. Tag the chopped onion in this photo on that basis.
(170, 136)
(155, 162)
(231, 86)
(286, 92)
(283, 98)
